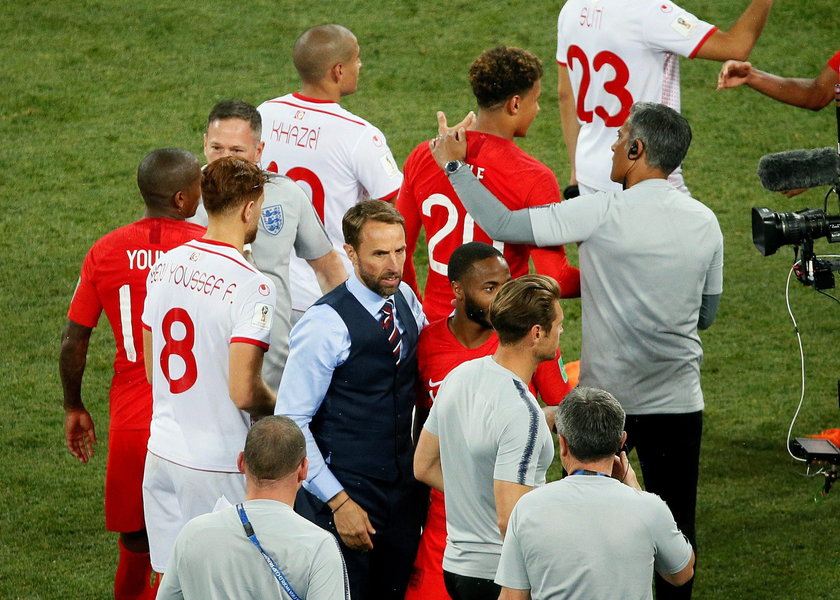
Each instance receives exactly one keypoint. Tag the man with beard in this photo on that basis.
(350, 385)
(486, 440)
(476, 271)
(206, 325)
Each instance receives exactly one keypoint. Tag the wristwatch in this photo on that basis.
(452, 166)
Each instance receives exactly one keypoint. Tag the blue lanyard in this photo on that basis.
(278, 574)
(588, 472)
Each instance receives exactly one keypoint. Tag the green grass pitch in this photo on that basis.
(90, 87)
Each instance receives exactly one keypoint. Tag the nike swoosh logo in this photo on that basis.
(434, 384)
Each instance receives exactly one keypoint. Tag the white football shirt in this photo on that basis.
(338, 159)
(201, 297)
(619, 52)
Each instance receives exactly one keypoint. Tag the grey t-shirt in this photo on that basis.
(214, 560)
(288, 221)
(490, 428)
(590, 537)
(648, 255)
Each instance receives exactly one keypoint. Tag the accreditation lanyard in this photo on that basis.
(278, 574)
(584, 472)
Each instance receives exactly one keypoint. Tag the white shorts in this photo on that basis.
(174, 494)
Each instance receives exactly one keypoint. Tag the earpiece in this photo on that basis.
(634, 149)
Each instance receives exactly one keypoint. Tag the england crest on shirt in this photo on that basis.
(272, 219)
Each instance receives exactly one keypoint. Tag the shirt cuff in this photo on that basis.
(324, 485)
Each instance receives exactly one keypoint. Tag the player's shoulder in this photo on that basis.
(282, 189)
(473, 371)
(436, 330)
(273, 103)
(121, 234)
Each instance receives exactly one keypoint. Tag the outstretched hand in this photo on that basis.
(733, 73)
(79, 434)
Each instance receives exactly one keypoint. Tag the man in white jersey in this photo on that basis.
(288, 224)
(214, 558)
(486, 442)
(612, 53)
(206, 324)
(338, 158)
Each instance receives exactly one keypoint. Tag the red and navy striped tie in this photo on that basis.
(390, 326)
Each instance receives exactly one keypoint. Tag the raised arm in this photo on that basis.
(813, 94)
(492, 216)
(738, 41)
(79, 432)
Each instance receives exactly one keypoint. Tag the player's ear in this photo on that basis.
(457, 290)
(260, 148)
(247, 211)
(512, 105)
(336, 72)
(536, 333)
(564, 445)
(240, 462)
(351, 253)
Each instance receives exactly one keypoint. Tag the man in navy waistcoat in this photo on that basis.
(350, 384)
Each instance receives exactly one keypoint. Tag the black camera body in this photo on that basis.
(800, 228)
(771, 230)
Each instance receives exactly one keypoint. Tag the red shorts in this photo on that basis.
(124, 480)
(426, 582)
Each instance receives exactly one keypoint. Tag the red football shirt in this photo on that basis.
(427, 200)
(438, 352)
(114, 279)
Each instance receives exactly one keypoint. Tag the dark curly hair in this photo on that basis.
(502, 72)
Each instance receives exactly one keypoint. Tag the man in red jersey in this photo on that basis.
(113, 278)
(476, 271)
(506, 84)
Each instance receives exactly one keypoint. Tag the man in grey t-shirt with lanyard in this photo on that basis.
(651, 263)
(610, 534)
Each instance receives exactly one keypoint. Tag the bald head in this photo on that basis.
(165, 172)
(320, 48)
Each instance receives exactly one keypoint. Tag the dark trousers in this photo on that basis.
(462, 587)
(668, 446)
(396, 511)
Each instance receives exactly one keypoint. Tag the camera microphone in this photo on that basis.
(799, 169)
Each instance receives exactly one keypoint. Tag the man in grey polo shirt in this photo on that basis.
(215, 555)
(651, 265)
(594, 534)
(486, 440)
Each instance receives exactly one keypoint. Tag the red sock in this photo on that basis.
(132, 578)
(152, 588)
